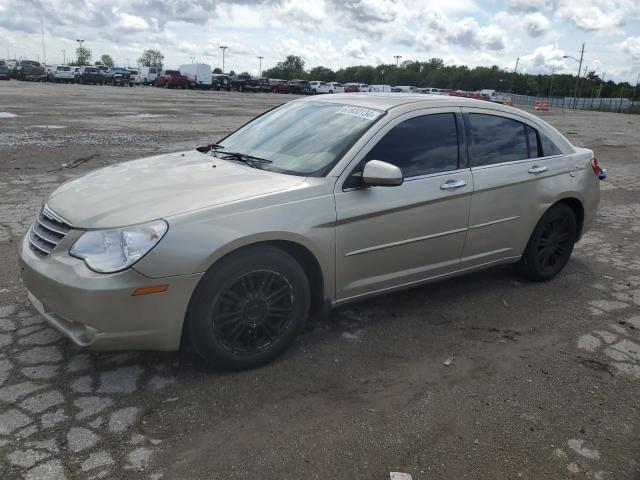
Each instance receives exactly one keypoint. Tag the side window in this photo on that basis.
(421, 145)
(496, 140)
(548, 147)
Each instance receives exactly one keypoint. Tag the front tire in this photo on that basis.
(550, 245)
(249, 308)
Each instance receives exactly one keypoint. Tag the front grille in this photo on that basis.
(46, 232)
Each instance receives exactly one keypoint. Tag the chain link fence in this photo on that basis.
(618, 105)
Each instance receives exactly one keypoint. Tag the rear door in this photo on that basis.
(387, 237)
(515, 181)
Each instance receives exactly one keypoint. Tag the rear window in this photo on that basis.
(91, 70)
(64, 69)
(496, 139)
(173, 73)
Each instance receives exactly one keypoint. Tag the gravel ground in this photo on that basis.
(544, 380)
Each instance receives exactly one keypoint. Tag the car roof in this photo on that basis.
(389, 101)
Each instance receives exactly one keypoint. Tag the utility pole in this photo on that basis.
(260, 65)
(575, 95)
(582, 81)
(44, 52)
(64, 57)
(223, 48)
(553, 70)
(600, 88)
(397, 57)
(515, 70)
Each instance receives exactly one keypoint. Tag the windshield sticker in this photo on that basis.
(360, 112)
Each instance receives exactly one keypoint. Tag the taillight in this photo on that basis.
(601, 173)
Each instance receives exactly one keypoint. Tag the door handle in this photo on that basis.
(449, 184)
(537, 169)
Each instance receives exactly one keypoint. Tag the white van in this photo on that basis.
(378, 88)
(199, 74)
(148, 75)
(492, 95)
(432, 91)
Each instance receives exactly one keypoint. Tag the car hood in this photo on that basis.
(158, 187)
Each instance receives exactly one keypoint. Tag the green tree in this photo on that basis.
(217, 70)
(322, 73)
(291, 67)
(83, 56)
(151, 58)
(106, 60)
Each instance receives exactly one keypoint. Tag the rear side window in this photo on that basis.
(548, 147)
(496, 139)
(421, 145)
(533, 142)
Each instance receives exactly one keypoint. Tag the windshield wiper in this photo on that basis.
(244, 158)
(212, 147)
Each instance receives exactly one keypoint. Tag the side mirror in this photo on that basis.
(377, 173)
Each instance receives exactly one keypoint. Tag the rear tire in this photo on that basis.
(249, 308)
(550, 245)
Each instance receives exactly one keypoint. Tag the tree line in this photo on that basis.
(149, 58)
(434, 73)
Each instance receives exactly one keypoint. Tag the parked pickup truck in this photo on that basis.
(221, 81)
(118, 76)
(301, 87)
(238, 82)
(172, 79)
(90, 74)
(29, 70)
(5, 73)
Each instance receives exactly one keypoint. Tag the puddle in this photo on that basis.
(7, 115)
(50, 127)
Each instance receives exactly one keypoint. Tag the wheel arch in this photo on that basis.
(577, 208)
(301, 253)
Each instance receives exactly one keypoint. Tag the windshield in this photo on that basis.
(302, 138)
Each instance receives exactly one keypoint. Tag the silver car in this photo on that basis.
(314, 204)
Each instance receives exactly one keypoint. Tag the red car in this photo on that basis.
(172, 79)
(351, 87)
(475, 95)
(279, 86)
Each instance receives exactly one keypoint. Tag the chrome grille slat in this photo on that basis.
(46, 232)
(45, 239)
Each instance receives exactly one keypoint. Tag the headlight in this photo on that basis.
(109, 251)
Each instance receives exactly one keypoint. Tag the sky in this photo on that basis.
(334, 33)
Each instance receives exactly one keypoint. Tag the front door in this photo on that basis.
(388, 237)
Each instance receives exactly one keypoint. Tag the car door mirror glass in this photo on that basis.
(381, 174)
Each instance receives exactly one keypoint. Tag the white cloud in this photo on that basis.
(530, 5)
(356, 48)
(131, 23)
(544, 59)
(536, 24)
(631, 46)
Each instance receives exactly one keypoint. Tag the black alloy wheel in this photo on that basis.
(248, 308)
(253, 311)
(550, 245)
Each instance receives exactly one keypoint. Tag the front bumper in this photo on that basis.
(97, 310)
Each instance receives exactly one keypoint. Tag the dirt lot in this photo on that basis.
(544, 383)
